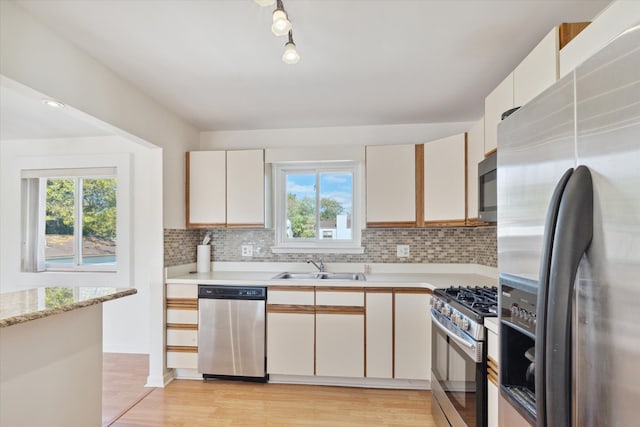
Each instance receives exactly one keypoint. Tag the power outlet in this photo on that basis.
(247, 250)
(402, 251)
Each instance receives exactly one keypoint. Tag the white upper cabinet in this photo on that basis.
(537, 71)
(206, 188)
(613, 20)
(245, 188)
(444, 180)
(391, 185)
(496, 103)
(225, 188)
(475, 154)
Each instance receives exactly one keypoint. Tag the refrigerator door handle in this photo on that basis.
(541, 311)
(574, 231)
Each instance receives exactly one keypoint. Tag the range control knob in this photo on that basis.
(447, 310)
(465, 324)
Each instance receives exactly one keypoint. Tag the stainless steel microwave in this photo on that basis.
(487, 189)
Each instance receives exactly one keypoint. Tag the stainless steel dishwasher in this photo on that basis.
(231, 332)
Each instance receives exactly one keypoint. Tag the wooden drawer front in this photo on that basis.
(339, 298)
(183, 360)
(286, 297)
(189, 317)
(182, 337)
(182, 291)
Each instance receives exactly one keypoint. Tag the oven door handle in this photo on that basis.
(473, 350)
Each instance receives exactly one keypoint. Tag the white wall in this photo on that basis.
(330, 136)
(35, 56)
(126, 321)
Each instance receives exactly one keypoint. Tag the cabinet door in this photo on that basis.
(290, 331)
(340, 332)
(537, 71)
(492, 407)
(444, 181)
(245, 188)
(290, 342)
(496, 103)
(206, 189)
(412, 335)
(391, 185)
(475, 154)
(340, 343)
(379, 333)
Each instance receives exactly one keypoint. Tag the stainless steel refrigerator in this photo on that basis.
(569, 247)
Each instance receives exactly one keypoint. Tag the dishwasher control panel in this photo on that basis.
(232, 292)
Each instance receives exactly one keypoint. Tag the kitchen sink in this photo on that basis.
(321, 276)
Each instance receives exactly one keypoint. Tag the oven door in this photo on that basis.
(458, 375)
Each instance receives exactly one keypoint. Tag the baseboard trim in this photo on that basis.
(352, 382)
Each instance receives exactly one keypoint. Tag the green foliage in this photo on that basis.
(55, 297)
(98, 207)
(302, 214)
(59, 214)
(330, 209)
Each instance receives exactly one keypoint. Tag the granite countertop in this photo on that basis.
(36, 303)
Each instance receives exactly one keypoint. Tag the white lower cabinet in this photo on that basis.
(493, 393)
(340, 344)
(492, 409)
(290, 343)
(182, 326)
(340, 332)
(412, 335)
(290, 331)
(379, 333)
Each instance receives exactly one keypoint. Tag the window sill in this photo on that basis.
(316, 250)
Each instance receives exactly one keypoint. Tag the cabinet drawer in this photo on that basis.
(340, 297)
(182, 337)
(189, 317)
(182, 291)
(183, 360)
(291, 297)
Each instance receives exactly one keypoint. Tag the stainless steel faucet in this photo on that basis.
(319, 267)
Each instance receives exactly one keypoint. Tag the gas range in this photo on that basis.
(462, 309)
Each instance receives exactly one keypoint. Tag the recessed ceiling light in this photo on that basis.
(53, 103)
(265, 3)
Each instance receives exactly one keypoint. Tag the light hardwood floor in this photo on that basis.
(185, 403)
(123, 380)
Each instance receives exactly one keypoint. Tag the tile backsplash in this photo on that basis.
(461, 245)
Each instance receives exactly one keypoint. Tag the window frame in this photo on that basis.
(317, 245)
(78, 193)
(34, 166)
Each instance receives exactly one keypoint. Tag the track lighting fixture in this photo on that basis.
(281, 24)
(290, 55)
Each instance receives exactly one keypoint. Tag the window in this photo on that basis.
(71, 221)
(317, 207)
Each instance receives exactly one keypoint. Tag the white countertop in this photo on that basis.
(440, 276)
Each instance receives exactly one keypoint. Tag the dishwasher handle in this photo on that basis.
(232, 292)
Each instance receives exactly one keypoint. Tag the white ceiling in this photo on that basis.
(363, 62)
(23, 115)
